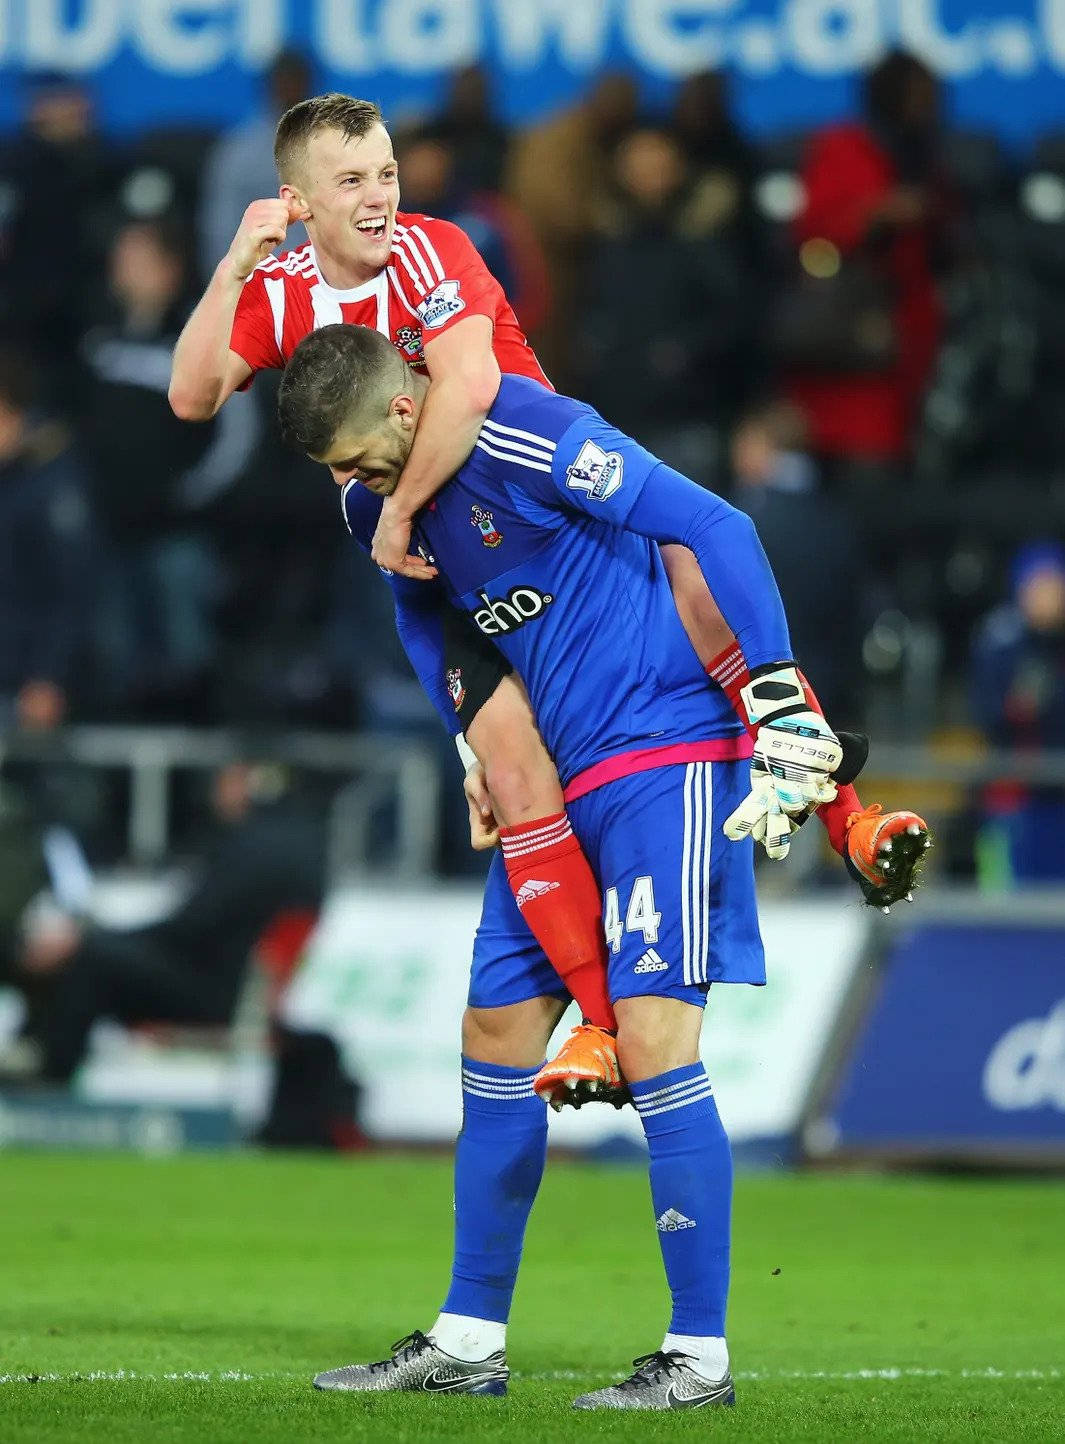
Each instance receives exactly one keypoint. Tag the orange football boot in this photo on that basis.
(584, 1070)
(884, 853)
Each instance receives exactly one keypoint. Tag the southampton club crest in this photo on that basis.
(455, 687)
(409, 341)
(482, 520)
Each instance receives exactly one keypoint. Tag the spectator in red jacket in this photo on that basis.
(871, 193)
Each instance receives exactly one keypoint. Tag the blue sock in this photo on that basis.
(691, 1188)
(499, 1161)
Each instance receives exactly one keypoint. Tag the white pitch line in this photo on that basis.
(888, 1374)
(122, 1376)
(239, 1376)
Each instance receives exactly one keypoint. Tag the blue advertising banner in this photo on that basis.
(59, 1120)
(963, 1049)
(153, 62)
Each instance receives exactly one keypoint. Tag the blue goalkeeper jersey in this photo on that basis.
(547, 538)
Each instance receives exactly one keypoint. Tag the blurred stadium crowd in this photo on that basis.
(858, 335)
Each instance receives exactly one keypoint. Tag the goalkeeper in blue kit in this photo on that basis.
(547, 539)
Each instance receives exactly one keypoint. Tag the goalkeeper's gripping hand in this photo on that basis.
(795, 755)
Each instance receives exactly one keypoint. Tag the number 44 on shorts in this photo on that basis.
(640, 915)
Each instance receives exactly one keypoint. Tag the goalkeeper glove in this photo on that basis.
(795, 755)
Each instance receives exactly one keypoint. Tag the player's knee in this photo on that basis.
(656, 1035)
(521, 779)
(514, 1036)
(519, 773)
(522, 788)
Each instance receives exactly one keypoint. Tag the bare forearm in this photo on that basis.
(201, 356)
(700, 615)
(450, 421)
(464, 377)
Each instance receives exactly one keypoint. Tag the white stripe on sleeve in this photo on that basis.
(517, 448)
(508, 431)
(430, 251)
(411, 272)
(405, 240)
(399, 293)
(482, 445)
(275, 292)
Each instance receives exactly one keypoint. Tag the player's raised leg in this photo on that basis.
(499, 1161)
(553, 886)
(882, 851)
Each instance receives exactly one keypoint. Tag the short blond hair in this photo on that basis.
(353, 118)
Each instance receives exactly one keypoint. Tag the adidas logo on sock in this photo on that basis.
(672, 1220)
(532, 889)
(651, 963)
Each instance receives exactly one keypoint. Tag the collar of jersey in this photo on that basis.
(356, 293)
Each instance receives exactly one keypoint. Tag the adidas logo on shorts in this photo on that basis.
(651, 963)
(532, 889)
(672, 1220)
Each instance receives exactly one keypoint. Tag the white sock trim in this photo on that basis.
(469, 1339)
(707, 1353)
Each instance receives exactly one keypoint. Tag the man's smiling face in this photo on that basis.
(351, 188)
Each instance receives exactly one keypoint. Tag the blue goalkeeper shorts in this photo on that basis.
(679, 910)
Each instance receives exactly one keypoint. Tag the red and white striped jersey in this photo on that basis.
(434, 278)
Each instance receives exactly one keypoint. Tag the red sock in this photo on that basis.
(834, 814)
(729, 671)
(559, 900)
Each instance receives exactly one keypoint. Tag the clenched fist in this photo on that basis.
(263, 227)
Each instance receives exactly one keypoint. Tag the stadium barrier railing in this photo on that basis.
(401, 775)
(406, 775)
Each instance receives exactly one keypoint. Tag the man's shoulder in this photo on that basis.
(524, 428)
(525, 404)
(290, 266)
(407, 221)
(430, 245)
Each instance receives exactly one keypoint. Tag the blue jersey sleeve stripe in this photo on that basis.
(522, 448)
(344, 504)
(516, 448)
(482, 445)
(544, 442)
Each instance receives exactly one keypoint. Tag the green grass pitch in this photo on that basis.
(193, 1298)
